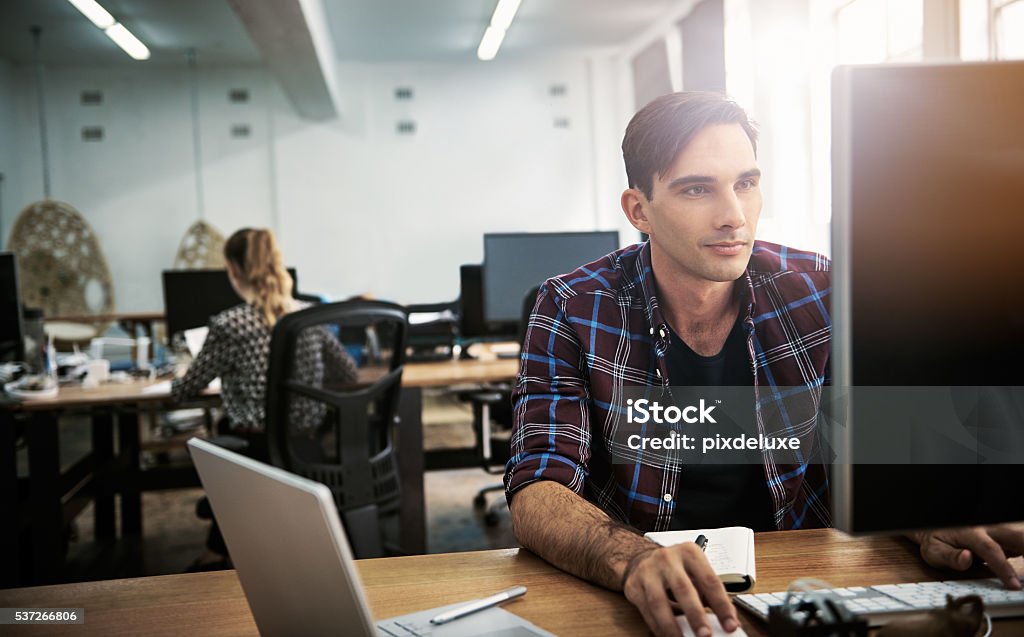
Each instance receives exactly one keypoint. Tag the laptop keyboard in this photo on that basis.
(879, 604)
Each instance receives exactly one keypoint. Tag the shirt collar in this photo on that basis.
(644, 275)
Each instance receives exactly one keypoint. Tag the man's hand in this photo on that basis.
(957, 548)
(684, 570)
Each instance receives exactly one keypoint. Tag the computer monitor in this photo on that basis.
(12, 341)
(516, 262)
(472, 324)
(191, 297)
(928, 306)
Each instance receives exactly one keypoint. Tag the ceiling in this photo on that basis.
(362, 30)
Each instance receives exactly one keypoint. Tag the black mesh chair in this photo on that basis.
(331, 406)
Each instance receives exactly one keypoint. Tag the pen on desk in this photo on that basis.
(478, 605)
(701, 541)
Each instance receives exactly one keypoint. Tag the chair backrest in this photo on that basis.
(331, 421)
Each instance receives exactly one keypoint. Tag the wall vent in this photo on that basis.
(405, 127)
(561, 122)
(558, 90)
(92, 133)
(241, 130)
(92, 97)
(238, 95)
(403, 93)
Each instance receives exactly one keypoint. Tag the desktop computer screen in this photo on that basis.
(191, 297)
(471, 307)
(12, 343)
(516, 262)
(928, 306)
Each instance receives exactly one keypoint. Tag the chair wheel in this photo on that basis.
(491, 518)
(479, 501)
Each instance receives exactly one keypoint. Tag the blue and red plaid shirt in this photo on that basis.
(598, 329)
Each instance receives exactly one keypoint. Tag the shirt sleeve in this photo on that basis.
(209, 364)
(551, 403)
(339, 364)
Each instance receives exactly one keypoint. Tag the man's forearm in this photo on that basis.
(574, 535)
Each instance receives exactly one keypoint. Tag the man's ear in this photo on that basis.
(634, 205)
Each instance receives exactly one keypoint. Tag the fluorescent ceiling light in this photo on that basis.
(128, 42)
(504, 13)
(490, 43)
(96, 14)
(116, 31)
(501, 19)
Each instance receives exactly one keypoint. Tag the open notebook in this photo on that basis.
(730, 551)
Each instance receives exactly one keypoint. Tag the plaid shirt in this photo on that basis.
(598, 329)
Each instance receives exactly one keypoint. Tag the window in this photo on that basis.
(861, 41)
(1008, 16)
(991, 29)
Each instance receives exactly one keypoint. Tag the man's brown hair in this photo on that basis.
(662, 129)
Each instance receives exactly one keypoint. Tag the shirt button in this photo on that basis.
(661, 332)
(667, 497)
(657, 373)
(652, 331)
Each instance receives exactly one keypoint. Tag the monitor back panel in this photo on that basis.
(191, 297)
(928, 219)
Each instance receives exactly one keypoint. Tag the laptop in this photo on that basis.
(294, 562)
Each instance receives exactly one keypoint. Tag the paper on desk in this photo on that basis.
(716, 627)
(164, 387)
(420, 318)
(194, 339)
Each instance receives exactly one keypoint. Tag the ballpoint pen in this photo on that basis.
(701, 541)
(478, 605)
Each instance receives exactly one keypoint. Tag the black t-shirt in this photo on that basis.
(711, 496)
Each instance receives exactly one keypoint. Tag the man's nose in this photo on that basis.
(730, 213)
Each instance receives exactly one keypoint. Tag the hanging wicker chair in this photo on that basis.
(202, 247)
(61, 266)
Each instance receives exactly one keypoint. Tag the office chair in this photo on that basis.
(335, 430)
(493, 405)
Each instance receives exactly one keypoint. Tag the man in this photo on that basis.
(701, 303)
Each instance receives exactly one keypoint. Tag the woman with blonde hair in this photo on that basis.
(237, 350)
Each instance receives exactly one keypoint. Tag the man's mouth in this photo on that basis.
(727, 248)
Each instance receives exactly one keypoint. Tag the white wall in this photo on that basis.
(9, 151)
(358, 208)
(396, 215)
(136, 187)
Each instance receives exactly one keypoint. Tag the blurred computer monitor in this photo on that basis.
(516, 262)
(928, 310)
(191, 297)
(472, 324)
(12, 342)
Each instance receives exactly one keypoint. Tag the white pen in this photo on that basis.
(479, 604)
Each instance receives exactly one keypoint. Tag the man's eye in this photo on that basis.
(746, 184)
(696, 190)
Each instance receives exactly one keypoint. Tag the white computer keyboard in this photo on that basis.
(880, 604)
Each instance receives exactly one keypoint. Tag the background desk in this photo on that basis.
(213, 603)
(49, 502)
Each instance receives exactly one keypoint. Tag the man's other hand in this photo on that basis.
(684, 570)
(957, 548)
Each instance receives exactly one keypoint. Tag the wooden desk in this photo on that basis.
(213, 603)
(461, 372)
(118, 404)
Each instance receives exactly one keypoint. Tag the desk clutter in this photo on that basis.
(953, 608)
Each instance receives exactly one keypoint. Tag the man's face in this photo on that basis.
(703, 211)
